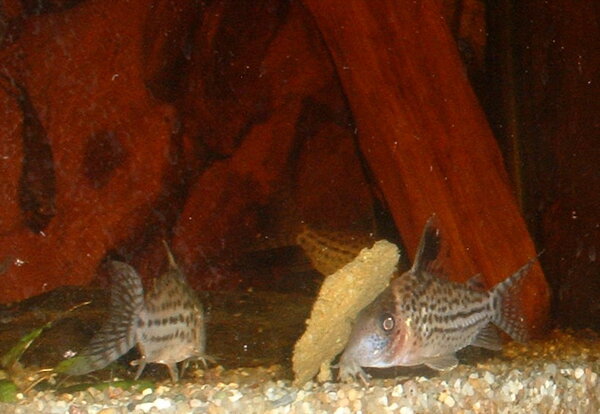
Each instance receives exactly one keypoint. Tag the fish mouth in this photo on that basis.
(366, 352)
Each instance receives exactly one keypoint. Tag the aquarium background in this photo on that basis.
(229, 128)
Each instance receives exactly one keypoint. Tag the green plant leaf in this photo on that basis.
(124, 384)
(15, 353)
(8, 391)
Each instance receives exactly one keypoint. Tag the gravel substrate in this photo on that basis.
(557, 375)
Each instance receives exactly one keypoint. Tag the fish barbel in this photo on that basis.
(421, 318)
(167, 325)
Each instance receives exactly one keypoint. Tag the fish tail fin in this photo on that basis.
(117, 335)
(507, 304)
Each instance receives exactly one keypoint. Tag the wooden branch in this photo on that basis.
(426, 138)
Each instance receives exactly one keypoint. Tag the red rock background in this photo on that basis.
(210, 123)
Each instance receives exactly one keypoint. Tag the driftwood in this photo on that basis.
(427, 140)
(185, 123)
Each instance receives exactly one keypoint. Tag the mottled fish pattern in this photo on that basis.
(422, 318)
(167, 325)
(329, 251)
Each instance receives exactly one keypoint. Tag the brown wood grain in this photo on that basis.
(426, 138)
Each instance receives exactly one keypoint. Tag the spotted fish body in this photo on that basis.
(167, 325)
(329, 251)
(422, 318)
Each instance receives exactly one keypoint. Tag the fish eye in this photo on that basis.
(387, 322)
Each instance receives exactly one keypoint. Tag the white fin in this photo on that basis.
(349, 370)
(442, 362)
(117, 335)
(488, 338)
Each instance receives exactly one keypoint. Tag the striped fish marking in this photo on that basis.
(422, 318)
(167, 325)
(329, 251)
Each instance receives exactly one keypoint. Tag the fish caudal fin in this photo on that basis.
(507, 305)
(117, 335)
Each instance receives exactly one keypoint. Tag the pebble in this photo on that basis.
(558, 375)
(489, 377)
(551, 369)
(397, 391)
(449, 401)
(194, 403)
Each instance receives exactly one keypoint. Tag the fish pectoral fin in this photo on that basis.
(488, 338)
(173, 371)
(350, 370)
(141, 364)
(442, 362)
(205, 359)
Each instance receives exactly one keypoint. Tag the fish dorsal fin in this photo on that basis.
(172, 263)
(476, 282)
(429, 248)
(442, 362)
(488, 338)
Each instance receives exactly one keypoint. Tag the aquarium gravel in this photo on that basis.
(558, 375)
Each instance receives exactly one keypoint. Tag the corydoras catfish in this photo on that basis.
(167, 325)
(422, 318)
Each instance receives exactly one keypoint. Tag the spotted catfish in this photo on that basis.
(167, 325)
(422, 318)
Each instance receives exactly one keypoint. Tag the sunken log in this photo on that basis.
(427, 140)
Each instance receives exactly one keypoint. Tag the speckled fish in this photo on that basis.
(422, 318)
(327, 250)
(168, 325)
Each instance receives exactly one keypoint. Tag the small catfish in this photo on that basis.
(329, 251)
(422, 318)
(168, 325)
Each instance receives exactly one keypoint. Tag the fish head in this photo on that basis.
(376, 337)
